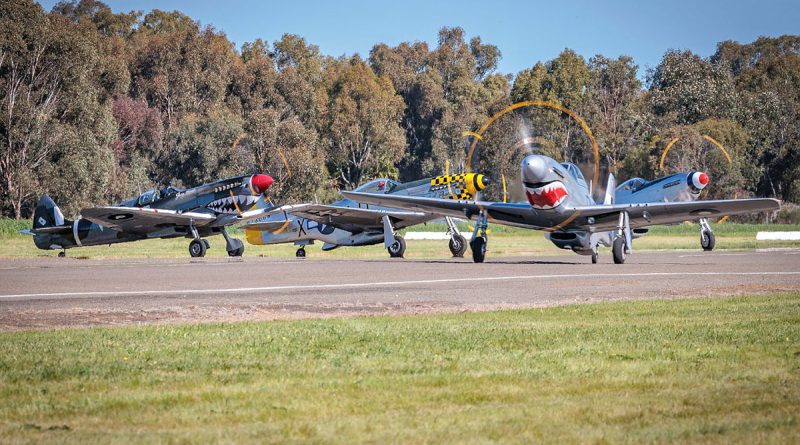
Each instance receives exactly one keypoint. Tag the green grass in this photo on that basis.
(719, 370)
(503, 241)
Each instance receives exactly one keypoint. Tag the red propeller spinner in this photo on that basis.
(699, 180)
(260, 183)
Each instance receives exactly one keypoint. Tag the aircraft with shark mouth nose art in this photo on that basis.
(347, 223)
(167, 213)
(560, 202)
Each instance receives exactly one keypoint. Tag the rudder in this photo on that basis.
(47, 214)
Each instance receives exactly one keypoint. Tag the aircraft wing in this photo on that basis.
(513, 213)
(648, 214)
(354, 219)
(143, 220)
(250, 215)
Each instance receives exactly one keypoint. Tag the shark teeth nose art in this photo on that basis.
(230, 203)
(548, 196)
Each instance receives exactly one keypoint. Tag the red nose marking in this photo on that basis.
(703, 179)
(260, 183)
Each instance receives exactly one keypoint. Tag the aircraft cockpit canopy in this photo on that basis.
(575, 172)
(381, 185)
(169, 191)
(148, 198)
(632, 184)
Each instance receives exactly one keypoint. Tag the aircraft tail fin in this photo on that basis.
(47, 215)
(611, 190)
(48, 224)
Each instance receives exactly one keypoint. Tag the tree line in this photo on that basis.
(97, 106)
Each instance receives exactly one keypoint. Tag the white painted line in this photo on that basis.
(384, 283)
(778, 236)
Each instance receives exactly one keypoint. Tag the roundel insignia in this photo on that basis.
(120, 216)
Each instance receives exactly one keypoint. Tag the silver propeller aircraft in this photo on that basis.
(168, 213)
(348, 223)
(560, 202)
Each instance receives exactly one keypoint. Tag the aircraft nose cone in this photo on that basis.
(260, 183)
(534, 168)
(699, 180)
(483, 182)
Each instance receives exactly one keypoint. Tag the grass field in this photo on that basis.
(503, 240)
(719, 370)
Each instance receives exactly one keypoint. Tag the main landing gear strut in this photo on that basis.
(458, 244)
(707, 239)
(395, 244)
(235, 247)
(198, 246)
(621, 247)
(479, 238)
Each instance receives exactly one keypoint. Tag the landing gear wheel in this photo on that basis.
(618, 249)
(398, 247)
(707, 240)
(62, 254)
(595, 257)
(458, 246)
(478, 246)
(300, 253)
(197, 248)
(239, 251)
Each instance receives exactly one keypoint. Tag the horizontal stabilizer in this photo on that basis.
(49, 230)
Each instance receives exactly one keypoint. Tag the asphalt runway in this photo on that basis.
(59, 292)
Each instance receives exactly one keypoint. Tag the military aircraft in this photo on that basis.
(560, 202)
(347, 223)
(168, 213)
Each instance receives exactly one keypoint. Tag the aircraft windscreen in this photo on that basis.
(382, 185)
(574, 171)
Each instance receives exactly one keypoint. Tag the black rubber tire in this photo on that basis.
(595, 257)
(300, 253)
(458, 246)
(197, 249)
(618, 250)
(239, 251)
(707, 240)
(62, 254)
(398, 248)
(478, 246)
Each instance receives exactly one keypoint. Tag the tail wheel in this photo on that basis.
(478, 246)
(197, 248)
(398, 247)
(458, 246)
(618, 250)
(707, 240)
(301, 253)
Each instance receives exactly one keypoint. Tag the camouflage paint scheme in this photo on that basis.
(167, 213)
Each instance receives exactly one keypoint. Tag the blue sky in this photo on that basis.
(525, 31)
